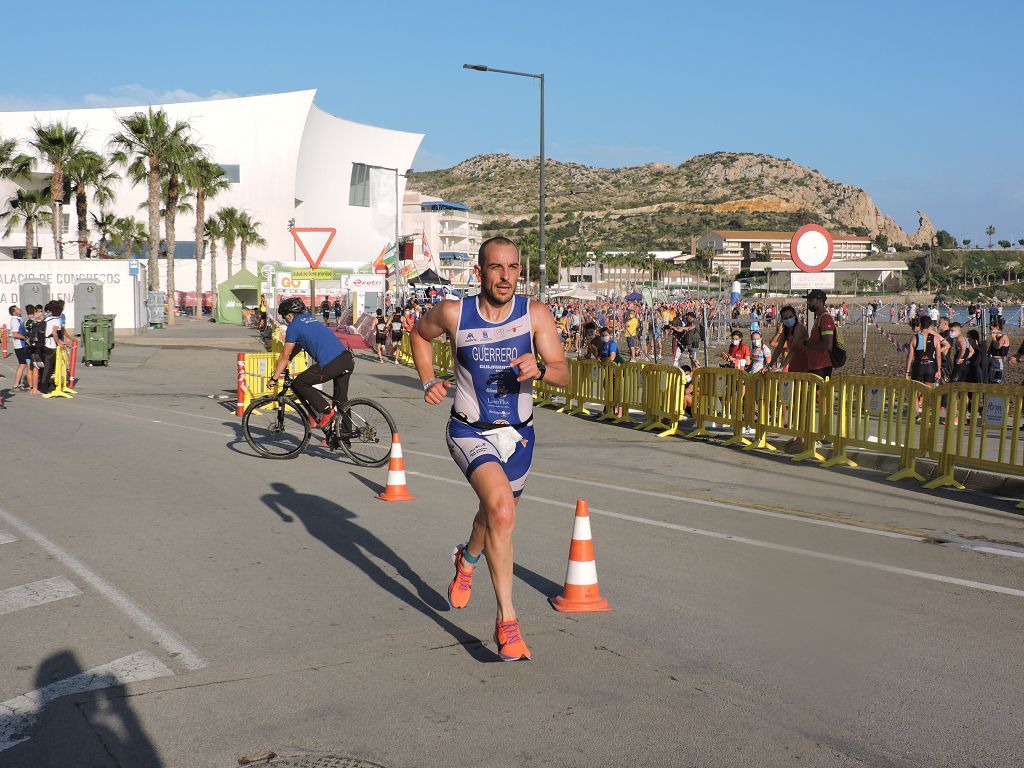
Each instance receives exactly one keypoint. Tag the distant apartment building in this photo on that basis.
(444, 233)
(736, 249)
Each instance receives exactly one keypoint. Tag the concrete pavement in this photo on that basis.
(766, 613)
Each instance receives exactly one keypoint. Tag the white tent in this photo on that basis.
(579, 293)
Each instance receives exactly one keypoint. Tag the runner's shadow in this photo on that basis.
(334, 526)
(81, 720)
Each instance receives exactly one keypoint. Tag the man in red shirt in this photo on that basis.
(818, 347)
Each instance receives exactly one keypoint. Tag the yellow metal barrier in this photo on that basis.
(879, 414)
(405, 349)
(61, 387)
(259, 366)
(786, 404)
(591, 381)
(981, 428)
(443, 363)
(629, 392)
(719, 399)
(664, 389)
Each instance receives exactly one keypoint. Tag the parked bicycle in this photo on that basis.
(278, 426)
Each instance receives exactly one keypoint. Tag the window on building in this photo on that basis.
(359, 186)
(232, 172)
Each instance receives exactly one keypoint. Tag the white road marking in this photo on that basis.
(36, 593)
(122, 401)
(708, 503)
(167, 639)
(1000, 551)
(7, 538)
(983, 586)
(17, 715)
(164, 423)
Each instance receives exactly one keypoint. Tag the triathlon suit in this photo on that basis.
(996, 354)
(924, 365)
(487, 395)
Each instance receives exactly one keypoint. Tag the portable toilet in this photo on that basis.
(88, 299)
(33, 292)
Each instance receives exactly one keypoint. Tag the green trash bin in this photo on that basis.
(107, 321)
(96, 340)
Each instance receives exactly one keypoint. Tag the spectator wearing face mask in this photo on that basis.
(609, 351)
(688, 389)
(760, 355)
(738, 354)
(786, 344)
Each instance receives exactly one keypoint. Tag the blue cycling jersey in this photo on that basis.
(315, 338)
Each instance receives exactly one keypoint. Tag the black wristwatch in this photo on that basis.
(543, 371)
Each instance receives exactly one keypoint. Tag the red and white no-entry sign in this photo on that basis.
(811, 248)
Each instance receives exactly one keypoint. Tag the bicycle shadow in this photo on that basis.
(81, 720)
(334, 525)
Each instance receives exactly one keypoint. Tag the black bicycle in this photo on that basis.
(279, 426)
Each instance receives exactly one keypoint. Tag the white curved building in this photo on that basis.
(286, 157)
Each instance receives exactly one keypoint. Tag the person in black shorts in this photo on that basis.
(380, 328)
(924, 359)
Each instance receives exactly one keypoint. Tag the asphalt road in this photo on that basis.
(169, 599)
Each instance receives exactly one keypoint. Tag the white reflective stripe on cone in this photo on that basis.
(581, 529)
(396, 450)
(581, 574)
(396, 477)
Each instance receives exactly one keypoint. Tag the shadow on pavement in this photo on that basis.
(93, 727)
(542, 584)
(375, 487)
(334, 526)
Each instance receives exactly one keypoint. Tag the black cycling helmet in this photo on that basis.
(293, 305)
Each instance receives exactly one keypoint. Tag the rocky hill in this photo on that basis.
(662, 205)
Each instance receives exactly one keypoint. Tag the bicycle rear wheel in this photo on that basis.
(369, 428)
(275, 430)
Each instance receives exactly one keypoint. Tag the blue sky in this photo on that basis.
(918, 103)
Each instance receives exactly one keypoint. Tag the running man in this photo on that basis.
(496, 338)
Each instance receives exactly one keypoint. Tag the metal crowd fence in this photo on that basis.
(254, 369)
(967, 426)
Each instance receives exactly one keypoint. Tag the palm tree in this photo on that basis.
(766, 251)
(143, 147)
(229, 220)
(30, 207)
(56, 144)
(206, 180)
(106, 224)
(248, 234)
(88, 170)
(719, 272)
(127, 233)
(856, 279)
(214, 231)
(768, 281)
(180, 156)
(13, 164)
(990, 231)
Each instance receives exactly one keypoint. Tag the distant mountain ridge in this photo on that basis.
(660, 204)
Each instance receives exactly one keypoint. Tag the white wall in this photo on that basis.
(123, 294)
(287, 149)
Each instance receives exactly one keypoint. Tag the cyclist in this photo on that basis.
(332, 361)
(496, 339)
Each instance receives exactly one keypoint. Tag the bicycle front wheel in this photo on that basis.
(369, 428)
(275, 428)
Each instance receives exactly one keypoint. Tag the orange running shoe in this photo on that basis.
(511, 646)
(462, 585)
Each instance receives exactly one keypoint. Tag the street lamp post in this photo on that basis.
(540, 246)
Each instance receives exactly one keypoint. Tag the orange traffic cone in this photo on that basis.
(581, 594)
(396, 489)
